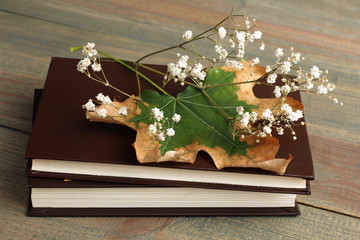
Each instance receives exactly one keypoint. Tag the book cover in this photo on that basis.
(61, 131)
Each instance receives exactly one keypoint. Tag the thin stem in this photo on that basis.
(134, 70)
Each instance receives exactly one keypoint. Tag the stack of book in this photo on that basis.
(80, 168)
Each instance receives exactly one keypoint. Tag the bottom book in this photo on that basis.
(56, 197)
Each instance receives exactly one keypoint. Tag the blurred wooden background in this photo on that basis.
(326, 32)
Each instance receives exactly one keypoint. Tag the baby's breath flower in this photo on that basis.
(285, 67)
(321, 90)
(100, 97)
(176, 118)
(295, 57)
(122, 111)
(240, 110)
(268, 69)
(187, 35)
(271, 78)
(255, 61)
(152, 129)
(257, 35)
(160, 136)
(170, 132)
(101, 112)
(267, 115)
(158, 114)
(315, 72)
(285, 89)
(262, 46)
(96, 67)
(222, 32)
(267, 129)
(280, 130)
(221, 51)
(245, 119)
(279, 53)
(277, 91)
(234, 64)
(90, 106)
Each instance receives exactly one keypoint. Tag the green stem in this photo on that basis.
(134, 70)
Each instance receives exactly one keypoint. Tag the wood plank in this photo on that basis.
(337, 185)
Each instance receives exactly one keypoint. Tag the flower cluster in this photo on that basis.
(91, 58)
(182, 69)
(313, 80)
(160, 128)
(268, 121)
(101, 112)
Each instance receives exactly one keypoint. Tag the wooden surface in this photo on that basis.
(326, 32)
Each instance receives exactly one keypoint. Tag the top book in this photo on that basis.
(64, 144)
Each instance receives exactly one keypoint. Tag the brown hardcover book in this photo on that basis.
(57, 197)
(64, 144)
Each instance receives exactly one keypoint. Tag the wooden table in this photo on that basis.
(327, 33)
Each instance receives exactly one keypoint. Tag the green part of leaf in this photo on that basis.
(201, 121)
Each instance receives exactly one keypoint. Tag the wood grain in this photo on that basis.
(326, 32)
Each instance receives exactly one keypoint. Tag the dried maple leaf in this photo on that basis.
(202, 125)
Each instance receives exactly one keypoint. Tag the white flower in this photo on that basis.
(309, 85)
(240, 110)
(100, 97)
(158, 114)
(255, 61)
(245, 119)
(101, 112)
(253, 116)
(86, 62)
(268, 69)
(222, 32)
(187, 35)
(240, 36)
(176, 118)
(286, 67)
(122, 111)
(295, 57)
(277, 91)
(152, 129)
(170, 132)
(234, 64)
(160, 136)
(81, 67)
(257, 35)
(279, 53)
(267, 115)
(285, 89)
(315, 72)
(331, 87)
(294, 116)
(262, 46)
(271, 78)
(90, 106)
(280, 130)
(106, 100)
(96, 67)
(183, 61)
(232, 43)
(286, 108)
(321, 89)
(221, 51)
(267, 129)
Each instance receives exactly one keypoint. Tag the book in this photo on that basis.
(57, 197)
(64, 144)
